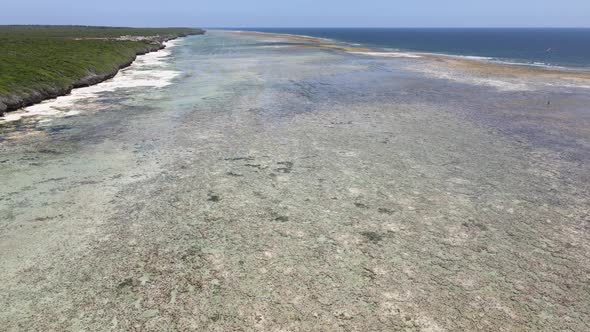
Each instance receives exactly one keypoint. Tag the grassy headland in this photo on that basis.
(41, 62)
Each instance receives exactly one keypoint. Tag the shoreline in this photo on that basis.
(130, 76)
(295, 187)
(39, 96)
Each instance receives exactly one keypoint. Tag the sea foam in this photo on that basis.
(389, 54)
(148, 70)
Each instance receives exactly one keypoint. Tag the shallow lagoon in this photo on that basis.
(275, 184)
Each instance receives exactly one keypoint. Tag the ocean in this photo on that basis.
(545, 47)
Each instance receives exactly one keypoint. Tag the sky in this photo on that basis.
(300, 13)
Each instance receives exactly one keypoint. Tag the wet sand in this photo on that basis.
(275, 187)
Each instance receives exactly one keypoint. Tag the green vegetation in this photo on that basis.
(39, 62)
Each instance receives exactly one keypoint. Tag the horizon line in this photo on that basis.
(308, 27)
(399, 27)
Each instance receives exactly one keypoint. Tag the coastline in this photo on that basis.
(295, 187)
(13, 103)
(147, 70)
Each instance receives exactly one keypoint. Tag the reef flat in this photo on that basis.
(271, 184)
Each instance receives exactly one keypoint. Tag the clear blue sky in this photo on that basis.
(300, 13)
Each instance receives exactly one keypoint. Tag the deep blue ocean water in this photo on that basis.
(555, 47)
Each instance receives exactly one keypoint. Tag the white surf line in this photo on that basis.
(500, 83)
(147, 70)
(388, 54)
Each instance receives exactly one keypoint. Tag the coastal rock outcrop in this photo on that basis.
(11, 102)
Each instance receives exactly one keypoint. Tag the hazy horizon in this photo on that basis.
(297, 27)
(302, 13)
